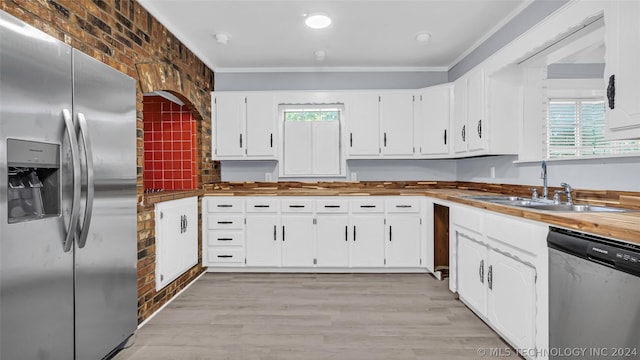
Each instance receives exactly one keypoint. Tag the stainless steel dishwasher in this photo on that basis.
(594, 297)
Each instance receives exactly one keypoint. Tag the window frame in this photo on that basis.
(333, 106)
(573, 90)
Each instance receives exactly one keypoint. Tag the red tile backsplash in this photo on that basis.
(169, 145)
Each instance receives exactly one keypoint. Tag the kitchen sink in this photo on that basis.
(544, 205)
(574, 208)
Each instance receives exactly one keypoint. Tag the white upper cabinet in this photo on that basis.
(476, 135)
(432, 120)
(361, 117)
(460, 116)
(469, 134)
(229, 115)
(243, 125)
(487, 111)
(622, 73)
(396, 124)
(260, 118)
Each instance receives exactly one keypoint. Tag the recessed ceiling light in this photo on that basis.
(317, 21)
(222, 38)
(423, 37)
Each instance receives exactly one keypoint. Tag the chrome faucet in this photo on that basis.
(567, 192)
(543, 176)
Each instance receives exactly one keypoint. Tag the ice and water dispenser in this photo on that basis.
(33, 190)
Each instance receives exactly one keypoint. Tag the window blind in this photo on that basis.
(575, 128)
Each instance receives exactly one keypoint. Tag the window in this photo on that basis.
(311, 140)
(575, 128)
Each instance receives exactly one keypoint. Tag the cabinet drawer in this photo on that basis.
(255, 205)
(225, 238)
(410, 205)
(332, 206)
(225, 221)
(297, 205)
(367, 206)
(224, 205)
(225, 255)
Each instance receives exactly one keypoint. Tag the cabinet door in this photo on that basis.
(460, 116)
(475, 112)
(332, 232)
(361, 116)
(403, 240)
(396, 124)
(261, 125)
(230, 111)
(263, 246)
(169, 245)
(297, 240)
(511, 303)
(472, 269)
(366, 247)
(297, 149)
(622, 40)
(432, 121)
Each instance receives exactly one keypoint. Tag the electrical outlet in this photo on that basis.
(267, 176)
(354, 177)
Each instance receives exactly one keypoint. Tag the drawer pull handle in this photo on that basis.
(225, 239)
(403, 206)
(225, 256)
(296, 206)
(261, 206)
(332, 206)
(367, 206)
(224, 206)
(225, 222)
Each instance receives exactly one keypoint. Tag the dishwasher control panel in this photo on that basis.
(616, 254)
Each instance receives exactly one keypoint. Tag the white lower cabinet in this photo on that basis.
(511, 299)
(314, 233)
(297, 233)
(472, 262)
(332, 233)
(496, 275)
(176, 239)
(263, 243)
(367, 245)
(403, 233)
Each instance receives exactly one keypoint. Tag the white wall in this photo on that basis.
(598, 174)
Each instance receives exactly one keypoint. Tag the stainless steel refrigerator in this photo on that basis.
(67, 200)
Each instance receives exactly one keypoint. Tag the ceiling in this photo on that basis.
(266, 35)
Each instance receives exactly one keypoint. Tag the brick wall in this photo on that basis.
(123, 35)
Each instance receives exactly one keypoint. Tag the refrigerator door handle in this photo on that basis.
(88, 210)
(75, 205)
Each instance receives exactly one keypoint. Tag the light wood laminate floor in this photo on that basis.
(316, 316)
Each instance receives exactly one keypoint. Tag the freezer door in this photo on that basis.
(105, 267)
(36, 275)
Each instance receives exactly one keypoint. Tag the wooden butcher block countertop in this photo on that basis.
(622, 226)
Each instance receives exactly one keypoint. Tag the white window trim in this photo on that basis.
(568, 88)
(282, 107)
